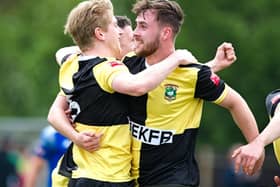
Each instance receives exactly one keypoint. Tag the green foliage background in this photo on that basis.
(31, 32)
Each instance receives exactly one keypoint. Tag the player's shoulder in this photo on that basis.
(69, 60)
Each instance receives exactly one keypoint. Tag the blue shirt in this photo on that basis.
(51, 146)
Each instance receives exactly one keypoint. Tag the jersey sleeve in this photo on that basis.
(107, 71)
(64, 59)
(209, 86)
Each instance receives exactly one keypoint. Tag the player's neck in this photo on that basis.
(160, 54)
(101, 51)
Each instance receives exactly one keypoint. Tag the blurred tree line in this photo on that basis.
(32, 31)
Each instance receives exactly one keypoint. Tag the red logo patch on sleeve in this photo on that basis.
(115, 63)
(215, 79)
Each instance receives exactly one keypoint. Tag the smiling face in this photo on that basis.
(147, 33)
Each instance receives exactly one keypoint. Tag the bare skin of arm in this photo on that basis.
(37, 164)
(225, 56)
(252, 152)
(144, 81)
(60, 121)
(245, 120)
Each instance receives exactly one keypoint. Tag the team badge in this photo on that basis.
(170, 92)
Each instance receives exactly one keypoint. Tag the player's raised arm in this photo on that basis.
(140, 83)
(225, 57)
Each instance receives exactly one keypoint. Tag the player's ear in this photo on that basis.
(99, 34)
(166, 33)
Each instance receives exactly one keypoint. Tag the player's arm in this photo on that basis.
(142, 82)
(60, 121)
(253, 150)
(245, 120)
(241, 114)
(210, 87)
(272, 130)
(277, 180)
(225, 56)
(58, 118)
(36, 164)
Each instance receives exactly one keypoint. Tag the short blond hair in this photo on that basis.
(85, 18)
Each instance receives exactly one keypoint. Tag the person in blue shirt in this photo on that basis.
(49, 148)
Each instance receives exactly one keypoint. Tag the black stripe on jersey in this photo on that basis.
(205, 87)
(190, 65)
(137, 106)
(97, 107)
(134, 63)
(67, 163)
(85, 182)
(83, 78)
(65, 58)
(175, 166)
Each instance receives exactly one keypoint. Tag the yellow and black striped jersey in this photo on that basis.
(164, 123)
(86, 82)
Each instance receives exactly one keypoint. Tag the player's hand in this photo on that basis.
(89, 141)
(249, 157)
(225, 56)
(277, 181)
(184, 56)
(258, 164)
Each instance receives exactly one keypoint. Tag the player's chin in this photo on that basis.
(138, 52)
(138, 48)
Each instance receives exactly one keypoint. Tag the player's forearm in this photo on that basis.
(217, 66)
(60, 122)
(213, 66)
(272, 130)
(245, 120)
(36, 167)
(58, 118)
(241, 114)
(148, 79)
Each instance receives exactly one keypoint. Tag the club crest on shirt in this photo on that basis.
(170, 92)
